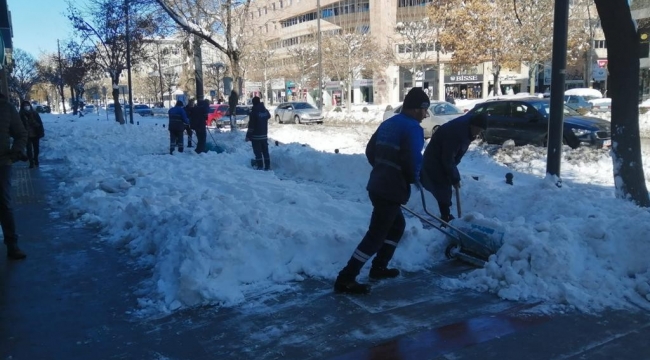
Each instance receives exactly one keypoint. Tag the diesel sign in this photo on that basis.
(463, 79)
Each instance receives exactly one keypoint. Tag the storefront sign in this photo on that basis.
(459, 79)
(332, 85)
(277, 84)
(362, 82)
(599, 74)
(253, 85)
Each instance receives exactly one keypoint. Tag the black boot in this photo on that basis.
(14, 253)
(348, 285)
(259, 164)
(36, 162)
(267, 165)
(378, 273)
(31, 164)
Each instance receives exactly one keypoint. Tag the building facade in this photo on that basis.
(287, 24)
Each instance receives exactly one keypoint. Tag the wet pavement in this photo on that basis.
(75, 296)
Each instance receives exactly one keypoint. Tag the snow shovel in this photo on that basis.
(470, 243)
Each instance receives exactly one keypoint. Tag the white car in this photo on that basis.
(440, 112)
(601, 105)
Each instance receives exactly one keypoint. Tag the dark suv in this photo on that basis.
(526, 122)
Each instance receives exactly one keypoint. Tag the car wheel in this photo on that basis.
(296, 119)
(214, 123)
(277, 119)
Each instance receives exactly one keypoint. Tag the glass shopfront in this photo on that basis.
(464, 86)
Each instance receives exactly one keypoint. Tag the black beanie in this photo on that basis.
(416, 99)
(256, 100)
(479, 120)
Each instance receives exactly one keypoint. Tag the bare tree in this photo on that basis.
(220, 23)
(418, 39)
(482, 32)
(303, 66)
(623, 55)
(261, 55)
(171, 77)
(24, 74)
(534, 19)
(349, 53)
(104, 23)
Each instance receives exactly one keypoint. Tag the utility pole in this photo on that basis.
(558, 77)
(320, 58)
(128, 61)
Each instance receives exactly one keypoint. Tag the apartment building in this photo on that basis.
(287, 24)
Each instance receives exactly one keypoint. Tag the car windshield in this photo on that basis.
(444, 109)
(543, 108)
(300, 106)
(141, 107)
(241, 111)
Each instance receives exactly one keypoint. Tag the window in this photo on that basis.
(259, 11)
(521, 110)
(281, 4)
(494, 109)
(266, 10)
(600, 44)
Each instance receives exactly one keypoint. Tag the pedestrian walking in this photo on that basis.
(443, 154)
(395, 153)
(188, 128)
(177, 121)
(32, 122)
(198, 119)
(11, 127)
(257, 134)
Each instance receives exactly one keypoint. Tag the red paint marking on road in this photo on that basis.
(448, 338)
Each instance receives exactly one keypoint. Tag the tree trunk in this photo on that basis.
(75, 106)
(119, 115)
(62, 93)
(349, 89)
(198, 67)
(496, 90)
(532, 78)
(623, 55)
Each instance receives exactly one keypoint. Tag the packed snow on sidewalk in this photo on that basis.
(214, 231)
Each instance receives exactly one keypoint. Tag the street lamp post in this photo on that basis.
(320, 57)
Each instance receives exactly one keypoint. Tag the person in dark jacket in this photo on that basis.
(395, 153)
(233, 100)
(198, 119)
(10, 128)
(188, 128)
(177, 121)
(443, 154)
(257, 134)
(35, 131)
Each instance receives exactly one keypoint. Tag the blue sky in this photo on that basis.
(38, 24)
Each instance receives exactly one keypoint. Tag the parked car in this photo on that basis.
(110, 107)
(47, 108)
(215, 114)
(297, 112)
(577, 102)
(526, 122)
(242, 113)
(89, 109)
(142, 110)
(38, 108)
(601, 105)
(439, 113)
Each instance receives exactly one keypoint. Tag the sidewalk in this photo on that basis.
(73, 298)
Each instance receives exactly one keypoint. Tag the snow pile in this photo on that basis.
(212, 230)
